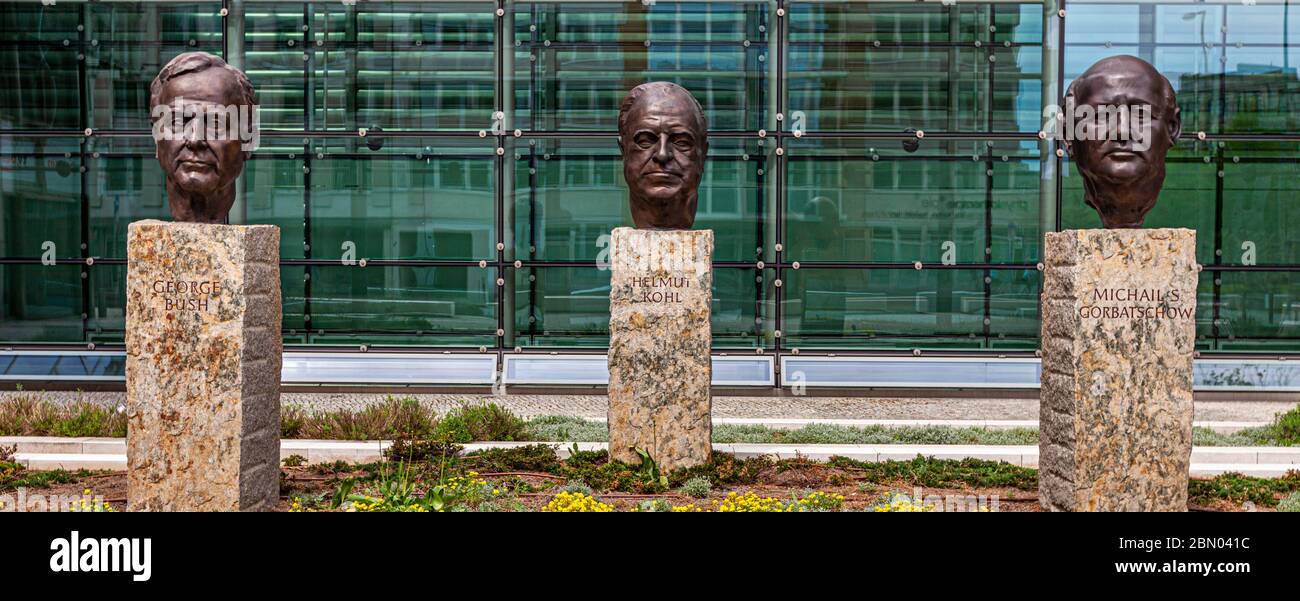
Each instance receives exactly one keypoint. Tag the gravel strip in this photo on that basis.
(752, 407)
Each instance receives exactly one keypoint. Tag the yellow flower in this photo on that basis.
(576, 502)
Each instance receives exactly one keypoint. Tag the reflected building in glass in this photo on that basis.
(470, 159)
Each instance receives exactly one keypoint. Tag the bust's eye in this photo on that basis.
(683, 144)
(644, 140)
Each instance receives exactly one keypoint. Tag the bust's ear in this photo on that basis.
(1175, 125)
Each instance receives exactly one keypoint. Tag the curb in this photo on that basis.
(110, 454)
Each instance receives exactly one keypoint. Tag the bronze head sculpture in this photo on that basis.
(1122, 164)
(192, 93)
(663, 138)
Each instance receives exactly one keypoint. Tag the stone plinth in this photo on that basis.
(203, 366)
(659, 340)
(1118, 333)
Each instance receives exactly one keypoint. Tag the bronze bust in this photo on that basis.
(201, 163)
(663, 138)
(1122, 177)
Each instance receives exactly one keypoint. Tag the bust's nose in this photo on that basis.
(662, 155)
(195, 141)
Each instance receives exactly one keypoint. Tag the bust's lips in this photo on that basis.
(1122, 155)
(664, 176)
(195, 164)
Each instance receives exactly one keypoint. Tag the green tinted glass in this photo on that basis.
(41, 303)
(1261, 215)
(421, 305)
(573, 62)
(883, 308)
(390, 65)
(439, 87)
(886, 67)
(41, 185)
(409, 198)
(873, 201)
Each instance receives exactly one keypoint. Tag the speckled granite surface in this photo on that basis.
(1119, 332)
(203, 366)
(659, 365)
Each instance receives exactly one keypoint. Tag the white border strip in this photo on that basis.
(597, 370)
(422, 368)
(917, 362)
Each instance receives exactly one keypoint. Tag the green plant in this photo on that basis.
(13, 476)
(531, 458)
(395, 492)
(654, 506)
(292, 421)
(394, 418)
(649, 470)
(294, 461)
(563, 428)
(577, 486)
(698, 487)
(28, 415)
(1286, 427)
(474, 422)
(421, 450)
(1237, 488)
(1291, 504)
(939, 473)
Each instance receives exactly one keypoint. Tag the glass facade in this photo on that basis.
(488, 179)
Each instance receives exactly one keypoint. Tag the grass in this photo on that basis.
(393, 418)
(1237, 488)
(407, 418)
(29, 415)
(944, 473)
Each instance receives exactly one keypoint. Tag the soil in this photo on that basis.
(783, 485)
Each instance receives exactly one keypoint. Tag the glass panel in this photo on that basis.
(127, 43)
(1013, 308)
(883, 308)
(412, 198)
(106, 321)
(412, 305)
(561, 306)
(38, 66)
(41, 183)
(379, 65)
(872, 201)
(574, 62)
(1259, 311)
(40, 303)
(889, 67)
(1233, 67)
(1261, 215)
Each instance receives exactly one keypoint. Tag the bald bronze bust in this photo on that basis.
(201, 164)
(1122, 177)
(663, 138)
